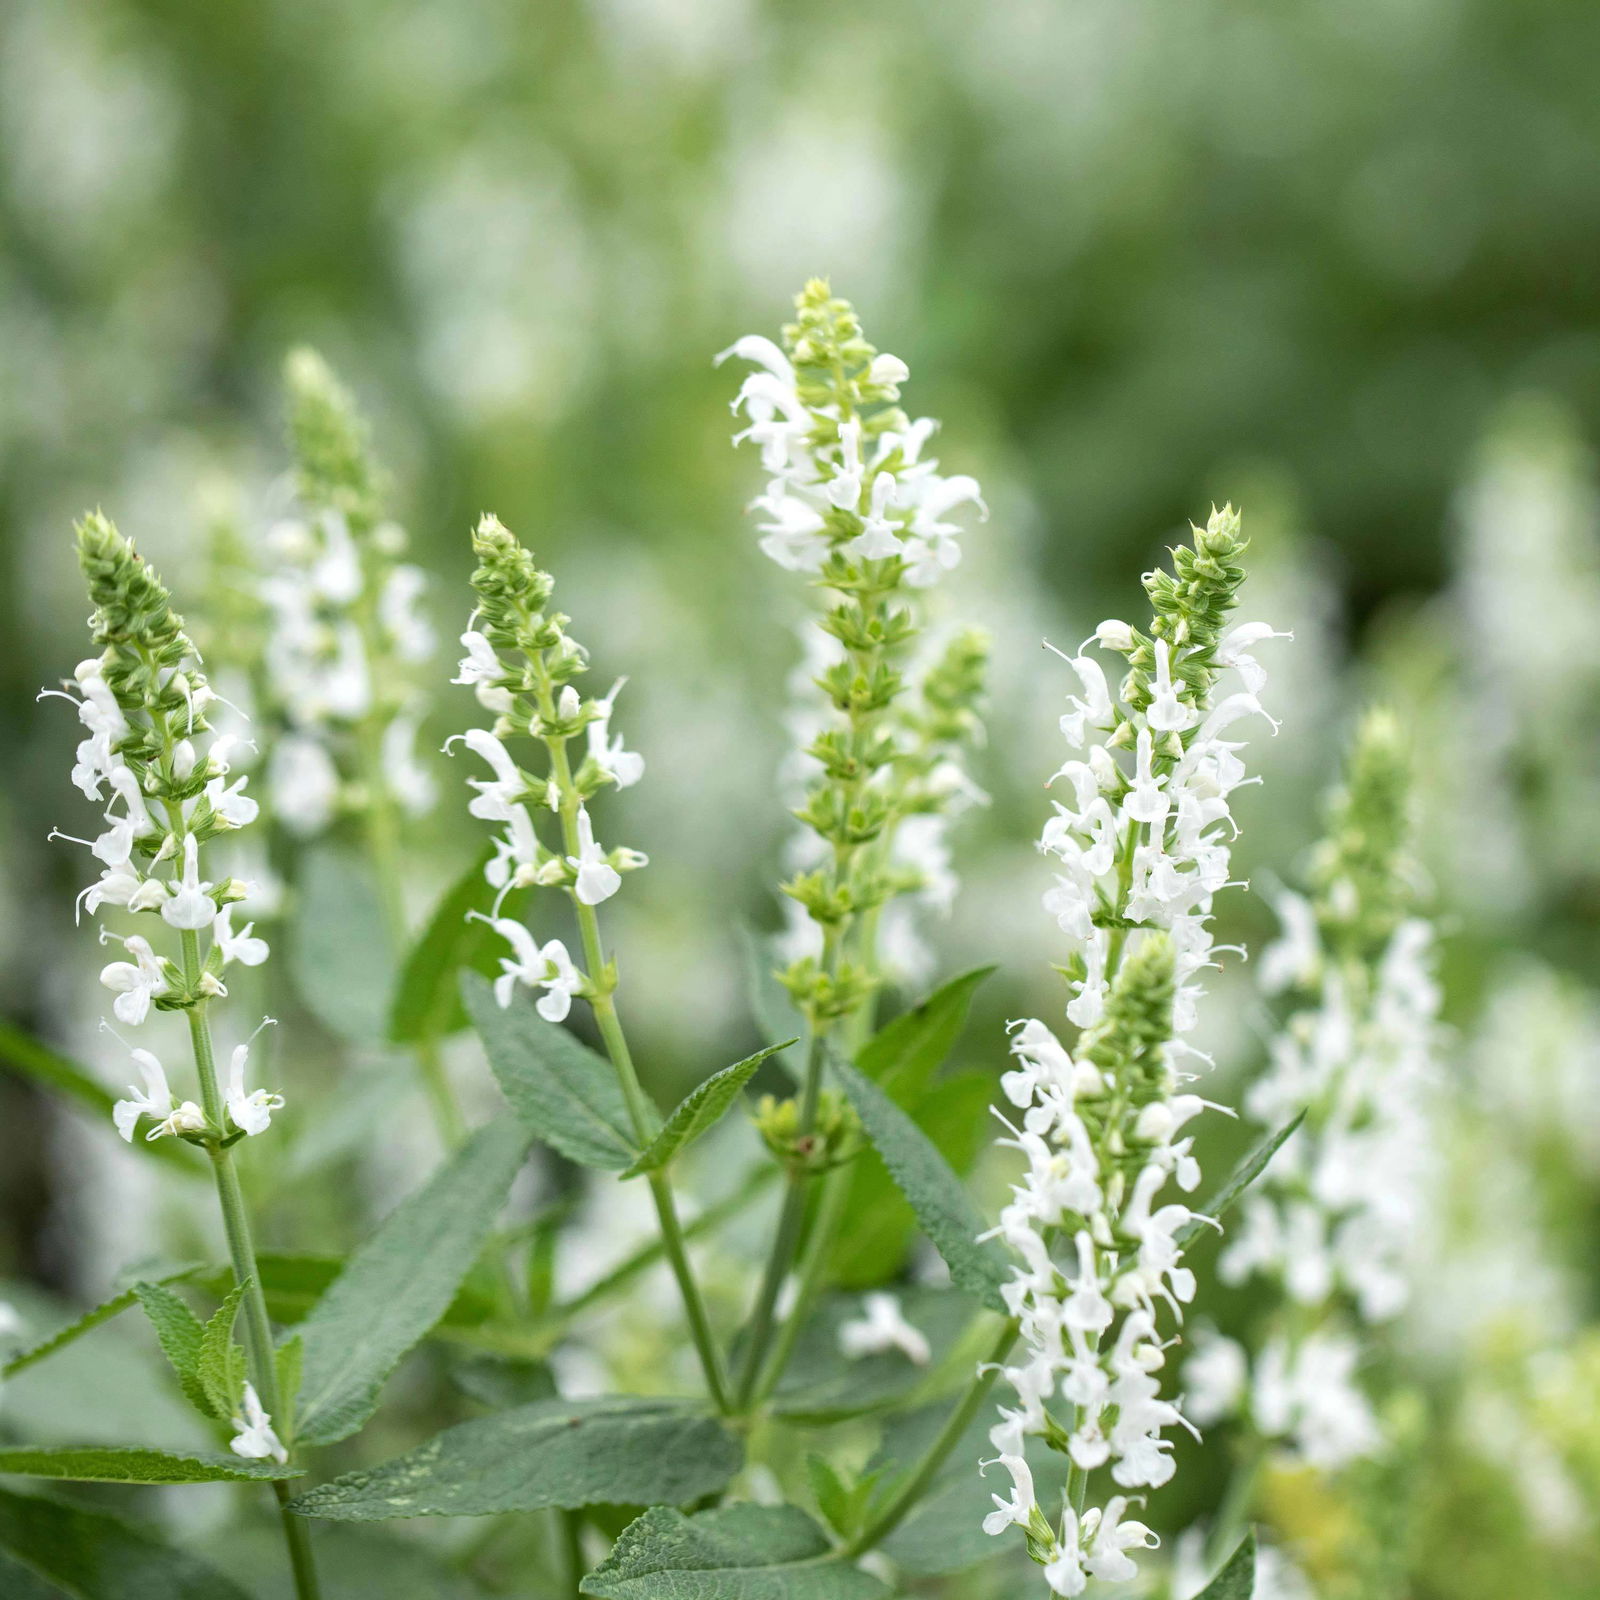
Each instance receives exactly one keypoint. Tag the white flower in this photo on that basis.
(482, 668)
(304, 783)
(408, 780)
(154, 1101)
(546, 967)
(190, 906)
(623, 767)
(254, 1438)
(597, 879)
(497, 797)
(1214, 1377)
(135, 983)
(400, 613)
(1018, 1510)
(242, 946)
(882, 1326)
(1108, 1539)
(251, 1111)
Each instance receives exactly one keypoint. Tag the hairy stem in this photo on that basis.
(241, 1253)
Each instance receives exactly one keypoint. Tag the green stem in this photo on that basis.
(241, 1253)
(641, 1112)
(927, 1469)
(809, 1277)
(1234, 1508)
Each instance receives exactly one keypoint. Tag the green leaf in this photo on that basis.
(1215, 1206)
(738, 1552)
(91, 1556)
(133, 1464)
(1237, 1580)
(841, 1498)
(906, 1052)
(501, 1382)
(943, 1207)
(74, 1331)
(822, 1384)
(427, 998)
(18, 1583)
(30, 1059)
(289, 1360)
(399, 1283)
(565, 1093)
(340, 951)
(614, 1450)
(220, 1368)
(878, 1226)
(181, 1336)
(703, 1108)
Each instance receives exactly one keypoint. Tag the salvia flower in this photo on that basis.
(853, 500)
(1332, 1220)
(346, 632)
(1140, 842)
(520, 663)
(152, 760)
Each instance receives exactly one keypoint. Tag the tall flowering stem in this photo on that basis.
(150, 759)
(521, 663)
(852, 503)
(1141, 849)
(1331, 1223)
(346, 638)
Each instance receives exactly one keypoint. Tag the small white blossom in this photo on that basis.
(546, 967)
(882, 1326)
(251, 1110)
(135, 983)
(254, 1438)
(596, 879)
(155, 1100)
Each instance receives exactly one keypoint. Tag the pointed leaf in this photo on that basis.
(74, 1331)
(133, 1464)
(340, 951)
(91, 1556)
(400, 1282)
(565, 1093)
(1237, 1580)
(220, 1368)
(427, 997)
(749, 1551)
(906, 1052)
(614, 1450)
(702, 1109)
(1249, 1169)
(31, 1059)
(943, 1207)
(181, 1336)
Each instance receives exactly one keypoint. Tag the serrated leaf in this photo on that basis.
(1237, 1580)
(398, 1284)
(62, 1337)
(745, 1551)
(569, 1453)
(220, 1368)
(563, 1092)
(427, 996)
(91, 1556)
(943, 1207)
(181, 1336)
(1214, 1206)
(700, 1110)
(29, 1058)
(906, 1052)
(133, 1464)
(341, 953)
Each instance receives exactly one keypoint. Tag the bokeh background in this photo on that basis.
(1334, 261)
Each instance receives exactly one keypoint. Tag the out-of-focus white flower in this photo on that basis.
(882, 1326)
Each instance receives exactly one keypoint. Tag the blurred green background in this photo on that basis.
(1138, 256)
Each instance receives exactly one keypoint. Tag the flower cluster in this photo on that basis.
(1333, 1218)
(150, 757)
(520, 663)
(852, 500)
(345, 627)
(1141, 850)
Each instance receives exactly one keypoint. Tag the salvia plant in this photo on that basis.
(854, 1412)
